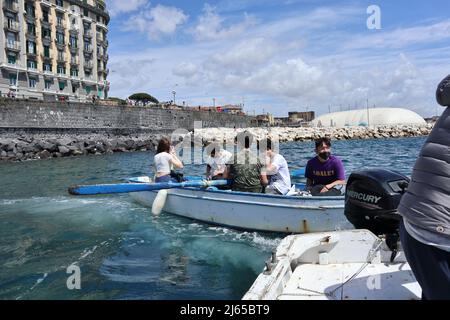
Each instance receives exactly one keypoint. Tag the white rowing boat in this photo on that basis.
(342, 265)
(250, 211)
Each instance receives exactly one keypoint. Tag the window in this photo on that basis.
(47, 67)
(46, 33)
(47, 51)
(88, 89)
(62, 85)
(73, 42)
(29, 9)
(60, 3)
(61, 69)
(60, 37)
(31, 64)
(31, 29)
(31, 47)
(45, 16)
(32, 83)
(48, 84)
(60, 55)
(11, 59)
(87, 46)
(12, 79)
(74, 88)
(74, 72)
(59, 21)
(86, 12)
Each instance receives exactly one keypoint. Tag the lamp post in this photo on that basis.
(174, 94)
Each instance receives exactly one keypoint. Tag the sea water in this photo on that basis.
(121, 250)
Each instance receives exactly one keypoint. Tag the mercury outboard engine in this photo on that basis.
(371, 201)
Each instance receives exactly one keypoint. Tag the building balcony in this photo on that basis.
(60, 45)
(73, 48)
(11, 6)
(59, 8)
(61, 58)
(105, 43)
(11, 26)
(30, 17)
(47, 40)
(46, 57)
(30, 36)
(88, 65)
(33, 70)
(46, 22)
(60, 26)
(13, 46)
(87, 34)
(46, 3)
(31, 54)
(102, 25)
(73, 31)
(48, 73)
(88, 50)
(74, 61)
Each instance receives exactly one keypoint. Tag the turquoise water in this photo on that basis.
(122, 250)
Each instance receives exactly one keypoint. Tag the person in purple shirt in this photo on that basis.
(324, 172)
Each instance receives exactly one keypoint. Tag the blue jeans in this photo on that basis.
(430, 265)
(165, 178)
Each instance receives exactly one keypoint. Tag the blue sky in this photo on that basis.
(280, 56)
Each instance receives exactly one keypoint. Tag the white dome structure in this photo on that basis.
(371, 117)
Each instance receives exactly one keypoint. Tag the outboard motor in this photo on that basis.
(371, 201)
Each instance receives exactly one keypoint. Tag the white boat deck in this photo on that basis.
(341, 265)
(319, 282)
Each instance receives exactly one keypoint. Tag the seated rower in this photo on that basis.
(324, 172)
(217, 162)
(246, 170)
(164, 160)
(277, 171)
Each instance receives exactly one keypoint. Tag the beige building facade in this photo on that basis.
(54, 49)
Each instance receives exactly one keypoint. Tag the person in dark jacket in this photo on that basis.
(425, 208)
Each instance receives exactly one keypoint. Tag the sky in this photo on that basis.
(278, 56)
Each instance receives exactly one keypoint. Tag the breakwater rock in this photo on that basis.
(29, 147)
(23, 146)
(284, 134)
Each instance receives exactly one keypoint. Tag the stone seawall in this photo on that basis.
(39, 130)
(60, 115)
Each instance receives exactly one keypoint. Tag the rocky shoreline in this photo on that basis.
(43, 146)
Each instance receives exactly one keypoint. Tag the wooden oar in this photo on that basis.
(136, 187)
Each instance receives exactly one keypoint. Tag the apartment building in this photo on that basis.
(54, 49)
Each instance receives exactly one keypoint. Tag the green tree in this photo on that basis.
(144, 97)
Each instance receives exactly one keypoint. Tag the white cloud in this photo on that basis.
(157, 21)
(403, 37)
(289, 63)
(118, 6)
(209, 26)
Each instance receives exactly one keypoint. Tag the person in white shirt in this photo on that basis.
(164, 160)
(277, 172)
(217, 162)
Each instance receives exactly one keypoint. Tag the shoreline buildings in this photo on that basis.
(54, 49)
